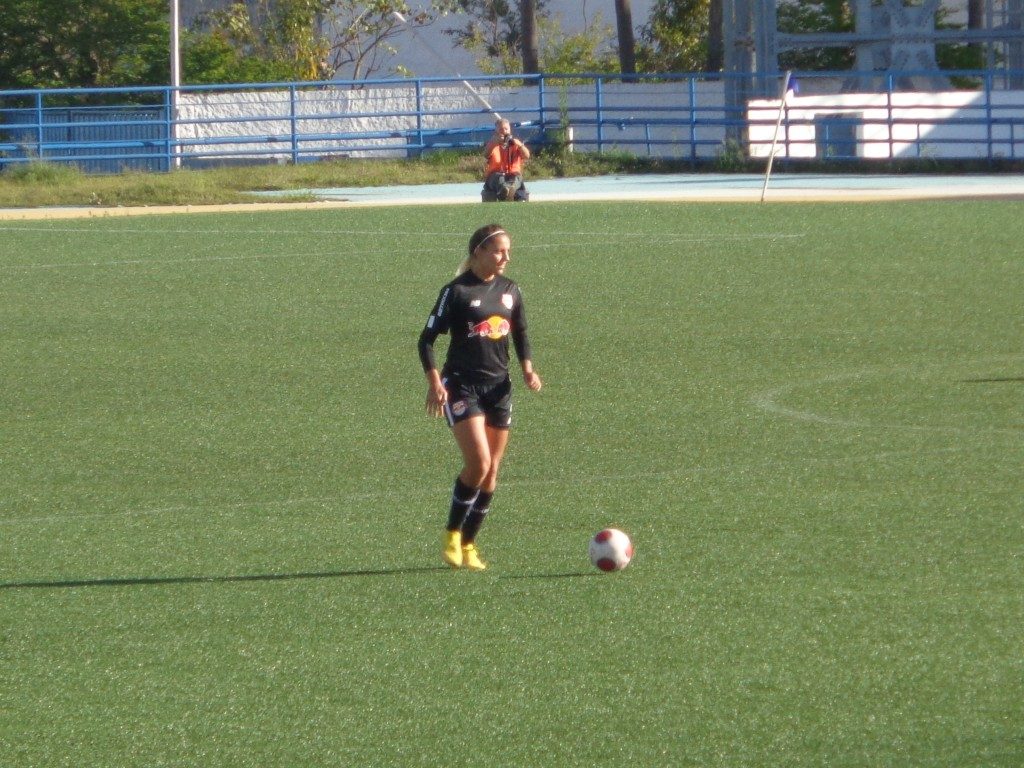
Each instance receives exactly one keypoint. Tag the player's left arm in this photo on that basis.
(521, 341)
(530, 377)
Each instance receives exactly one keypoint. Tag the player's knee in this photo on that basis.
(476, 471)
(491, 477)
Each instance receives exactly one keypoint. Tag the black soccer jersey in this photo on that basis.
(480, 316)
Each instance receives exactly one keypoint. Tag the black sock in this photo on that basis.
(475, 518)
(463, 497)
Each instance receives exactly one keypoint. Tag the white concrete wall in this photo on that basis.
(327, 120)
(898, 125)
(374, 121)
(259, 123)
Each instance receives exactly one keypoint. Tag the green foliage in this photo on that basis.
(492, 33)
(72, 43)
(732, 157)
(211, 58)
(959, 56)
(43, 174)
(269, 40)
(675, 38)
(966, 57)
(83, 43)
(591, 50)
(301, 39)
(796, 16)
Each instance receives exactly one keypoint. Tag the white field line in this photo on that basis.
(442, 492)
(387, 233)
(164, 262)
(768, 401)
(663, 239)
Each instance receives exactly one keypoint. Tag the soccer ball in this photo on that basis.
(610, 550)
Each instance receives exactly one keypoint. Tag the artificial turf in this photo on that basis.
(221, 502)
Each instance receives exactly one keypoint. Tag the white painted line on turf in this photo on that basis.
(548, 246)
(690, 472)
(700, 236)
(191, 260)
(100, 230)
(769, 401)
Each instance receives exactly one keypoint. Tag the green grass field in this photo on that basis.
(221, 502)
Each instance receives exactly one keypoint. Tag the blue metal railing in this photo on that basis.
(689, 116)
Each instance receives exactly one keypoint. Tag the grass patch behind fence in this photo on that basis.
(221, 502)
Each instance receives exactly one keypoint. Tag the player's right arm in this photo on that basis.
(437, 324)
(437, 395)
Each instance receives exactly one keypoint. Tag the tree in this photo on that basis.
(361, 32)
(798, 16)
(530, 43)
(716, 44)
(951, 55)
(676, 37)
(83, 43)
(259, 42)
(493, 32)
(627, 41)
(75, 43)
(300, 39)
(589, 50)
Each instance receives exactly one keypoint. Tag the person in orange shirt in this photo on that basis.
(503, 178)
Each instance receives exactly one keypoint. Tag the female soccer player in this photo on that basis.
(480, 308)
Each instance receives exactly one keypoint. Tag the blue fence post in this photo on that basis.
(988, 117)
(889, 82)
(599, 112)
(168, 159)
(541, 106)
(294, 124)
(787, 150)
(39, 125)
(419, 117)
(692, 90)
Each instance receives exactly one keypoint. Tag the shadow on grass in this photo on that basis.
(997, 380)
(137, 581)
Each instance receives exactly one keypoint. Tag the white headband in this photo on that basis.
(495, 232)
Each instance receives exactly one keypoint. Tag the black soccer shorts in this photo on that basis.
(494, 401)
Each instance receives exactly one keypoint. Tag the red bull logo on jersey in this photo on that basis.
(493, 328)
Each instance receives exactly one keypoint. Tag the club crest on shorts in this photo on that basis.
(459, 408)
(506, 299)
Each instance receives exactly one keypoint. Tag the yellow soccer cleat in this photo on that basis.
(452, 553)
(471, 558)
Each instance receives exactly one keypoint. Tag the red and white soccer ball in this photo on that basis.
(610, 550)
